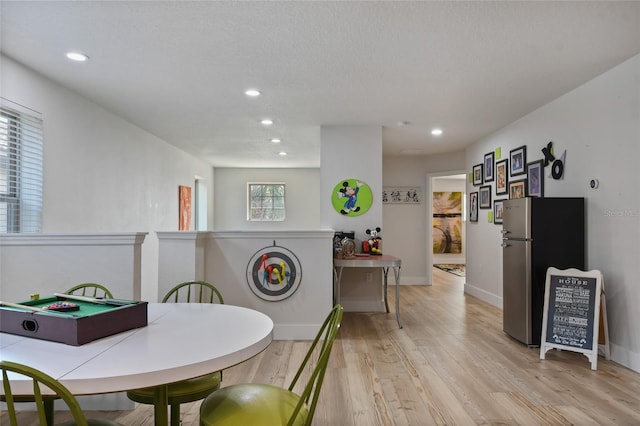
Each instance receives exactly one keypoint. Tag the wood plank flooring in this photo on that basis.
(451, 364)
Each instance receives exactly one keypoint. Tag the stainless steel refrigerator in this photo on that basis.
(536, 233)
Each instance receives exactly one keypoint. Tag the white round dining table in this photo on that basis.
(181, 341)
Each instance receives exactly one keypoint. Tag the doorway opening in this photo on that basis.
(446, 213)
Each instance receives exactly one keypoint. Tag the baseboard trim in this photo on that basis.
(483, 295)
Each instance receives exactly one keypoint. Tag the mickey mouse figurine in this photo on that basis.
(374, 244)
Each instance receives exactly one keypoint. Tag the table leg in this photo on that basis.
(48, 410)
(161, 405)
(337, 276)
(396, 272)
(385, 271)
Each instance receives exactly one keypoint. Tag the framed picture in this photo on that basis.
(446, 222)
(535, 179)
(518, 189)
(473, 206)
(488, 167)
(402, 195)
(184, 212)
(498, 210)
(477, 174)
(485, 197)
(518, 160)
(502, 177)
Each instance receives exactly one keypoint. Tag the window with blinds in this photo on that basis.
(266, 202)
(20, 169)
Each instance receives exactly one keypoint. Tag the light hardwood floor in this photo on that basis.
(451, 364)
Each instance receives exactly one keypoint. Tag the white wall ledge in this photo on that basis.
(73, 239)
(181, 235)
(199, 235)
(274, 234)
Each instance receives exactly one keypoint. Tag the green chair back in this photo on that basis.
(90, 290)
(39, 380)
(255, 403)
(193, 292)
(326, 334)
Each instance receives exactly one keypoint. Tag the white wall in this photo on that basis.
(101, 173)
(65, 260)
(226, 259)
(598, 124)
(302, 198)
(353, 152)
(296, 317)
(405, 233)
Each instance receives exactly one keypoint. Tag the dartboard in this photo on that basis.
(274, 273)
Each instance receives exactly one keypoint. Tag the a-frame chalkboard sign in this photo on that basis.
(575, 313)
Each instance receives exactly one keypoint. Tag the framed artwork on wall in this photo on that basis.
(402, 195)
(351, 197)
(473, 206)
(447, 222)
(477, 174)
(485, 197)
(502, 177)
(535, 179)
(518, 189)
(518, 160)
(488, 167)
(498, 210)
(184, 212)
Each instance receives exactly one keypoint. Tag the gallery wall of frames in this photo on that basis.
(498, 179)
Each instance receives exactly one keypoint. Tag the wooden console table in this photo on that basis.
(384, 261)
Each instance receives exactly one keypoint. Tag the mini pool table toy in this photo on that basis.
(63, 306)
(70, 319)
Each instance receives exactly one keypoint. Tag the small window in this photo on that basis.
(20, 169)
(266, 202)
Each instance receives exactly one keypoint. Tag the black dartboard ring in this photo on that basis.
(274, 285)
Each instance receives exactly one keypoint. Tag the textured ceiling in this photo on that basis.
(179, 69)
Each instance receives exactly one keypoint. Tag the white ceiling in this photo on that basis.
(179, 69)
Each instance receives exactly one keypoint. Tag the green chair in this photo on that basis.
(41, 379)
(192, 389)
(269, 405)
(47, 402)
(193, 292)
(90, 290)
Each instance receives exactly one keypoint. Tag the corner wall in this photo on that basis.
(302, 198)
(102, 173)
(353, 152)
(405, 231)
(598, 124)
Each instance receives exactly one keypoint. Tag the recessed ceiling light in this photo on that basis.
(77, 56)
(252, 92)
(282, 153)
(276, 140)
(267, 122)
(436, 132)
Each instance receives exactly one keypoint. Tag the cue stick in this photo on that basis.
(27, 307)
(94, 300)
